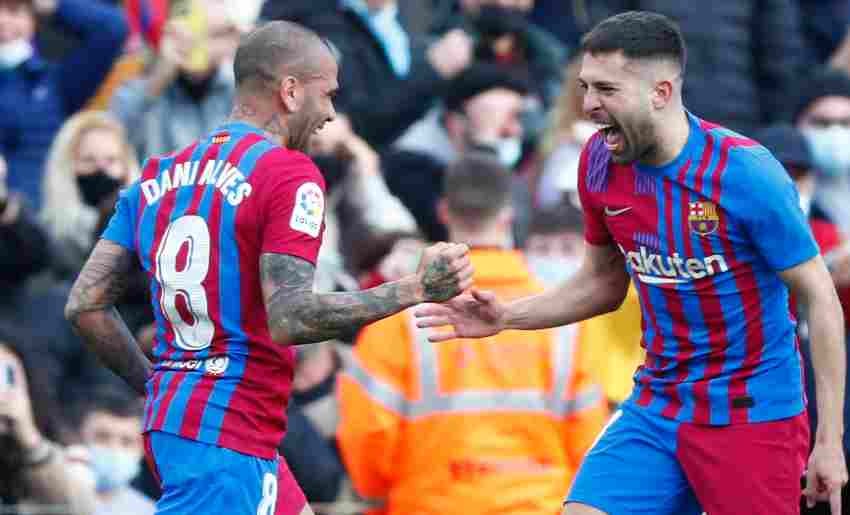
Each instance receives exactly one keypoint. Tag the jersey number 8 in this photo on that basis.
(184, 281)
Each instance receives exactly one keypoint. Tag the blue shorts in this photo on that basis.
(643, 463)
(199, 478)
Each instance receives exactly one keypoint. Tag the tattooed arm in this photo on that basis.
(298, 315)
(91, 310)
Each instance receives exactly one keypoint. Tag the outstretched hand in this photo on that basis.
(472, 315)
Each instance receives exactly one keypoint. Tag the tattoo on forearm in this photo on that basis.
(306, 317)
(91, 311)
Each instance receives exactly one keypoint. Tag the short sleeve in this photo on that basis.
(595, 230)
(776, 224)
(120, 228)
(293, 210)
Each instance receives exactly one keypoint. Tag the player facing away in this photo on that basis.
(228, 230)
(707, 224)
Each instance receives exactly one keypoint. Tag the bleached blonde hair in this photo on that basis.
(63, 211)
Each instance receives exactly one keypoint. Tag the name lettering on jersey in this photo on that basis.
(654, 268)
(222, 175)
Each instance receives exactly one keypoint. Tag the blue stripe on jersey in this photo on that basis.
(733, 310)
(657, 301)
(230, 304)
(165, 380)
(181, 204)
(147, 230)
(690, 303)
(177, 406)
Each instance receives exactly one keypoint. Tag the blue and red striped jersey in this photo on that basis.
(704, 238)
(199, 219)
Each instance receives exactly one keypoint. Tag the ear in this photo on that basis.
(662, 93)
(291, 93)
(443, 215)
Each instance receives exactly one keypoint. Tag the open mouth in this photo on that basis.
(613, 137)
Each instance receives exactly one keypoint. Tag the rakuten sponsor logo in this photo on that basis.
(654, 268)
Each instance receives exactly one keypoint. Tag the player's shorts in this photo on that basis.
(643, 463)
(198, 478)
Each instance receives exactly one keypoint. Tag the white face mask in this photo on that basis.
(830, 149)
(552, 270)
(114, 468)
(15, 53)
(806, 203)
(509, 151)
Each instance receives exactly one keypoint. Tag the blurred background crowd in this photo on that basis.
(456, 119)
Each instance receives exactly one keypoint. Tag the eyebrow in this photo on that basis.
(598, 83)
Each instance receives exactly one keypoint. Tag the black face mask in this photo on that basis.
(97, 186)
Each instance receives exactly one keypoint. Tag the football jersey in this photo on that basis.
(703, 239)
(199, 219)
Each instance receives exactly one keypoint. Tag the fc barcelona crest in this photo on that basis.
(702, 217)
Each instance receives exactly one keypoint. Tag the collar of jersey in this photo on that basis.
(684, 154)
(238, 127)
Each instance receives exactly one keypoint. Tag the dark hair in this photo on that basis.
(115, 399)
(639, 35)
(561, 217)
(822, 82)
(277, 45)
(477, 186)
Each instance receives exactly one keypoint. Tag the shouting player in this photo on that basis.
(708, 226)
(228, 230)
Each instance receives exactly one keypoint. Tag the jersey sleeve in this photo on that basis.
(776, 224)
(120, 228)
(293, 209)
(595, 230)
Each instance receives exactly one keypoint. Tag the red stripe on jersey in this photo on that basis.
(267, 362)
(674, 301)
(190, 426)
(710, 307)
(745, 282)
(163, 219)
(173, 387)
(151, 400)
(707, 126)
(655, 346)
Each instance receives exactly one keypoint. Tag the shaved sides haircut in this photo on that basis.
(276, 49)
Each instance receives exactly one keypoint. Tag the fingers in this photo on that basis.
(437, 321)
(442, 336)
(810, 492)
(429, 310)
(835, 500)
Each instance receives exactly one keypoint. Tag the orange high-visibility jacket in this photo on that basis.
(469, 426)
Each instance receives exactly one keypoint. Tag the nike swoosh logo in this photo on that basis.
(615, 212)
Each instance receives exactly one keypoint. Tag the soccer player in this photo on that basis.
(708, 226)
(228, 230)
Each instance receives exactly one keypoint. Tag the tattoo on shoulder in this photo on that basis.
(103, 279)
(298, 315)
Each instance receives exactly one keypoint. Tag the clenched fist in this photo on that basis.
(444, 271)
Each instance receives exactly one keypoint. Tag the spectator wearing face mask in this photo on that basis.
(189, 88)
(480, 112)
(503, 428)
(611, 342)
(109, 421)
(36, 96)
(822, 113)
(89, 161)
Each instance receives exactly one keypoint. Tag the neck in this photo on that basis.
(253, 113)
(672, 136)
(488, 239)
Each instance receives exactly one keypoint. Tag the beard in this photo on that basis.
(638, 141)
